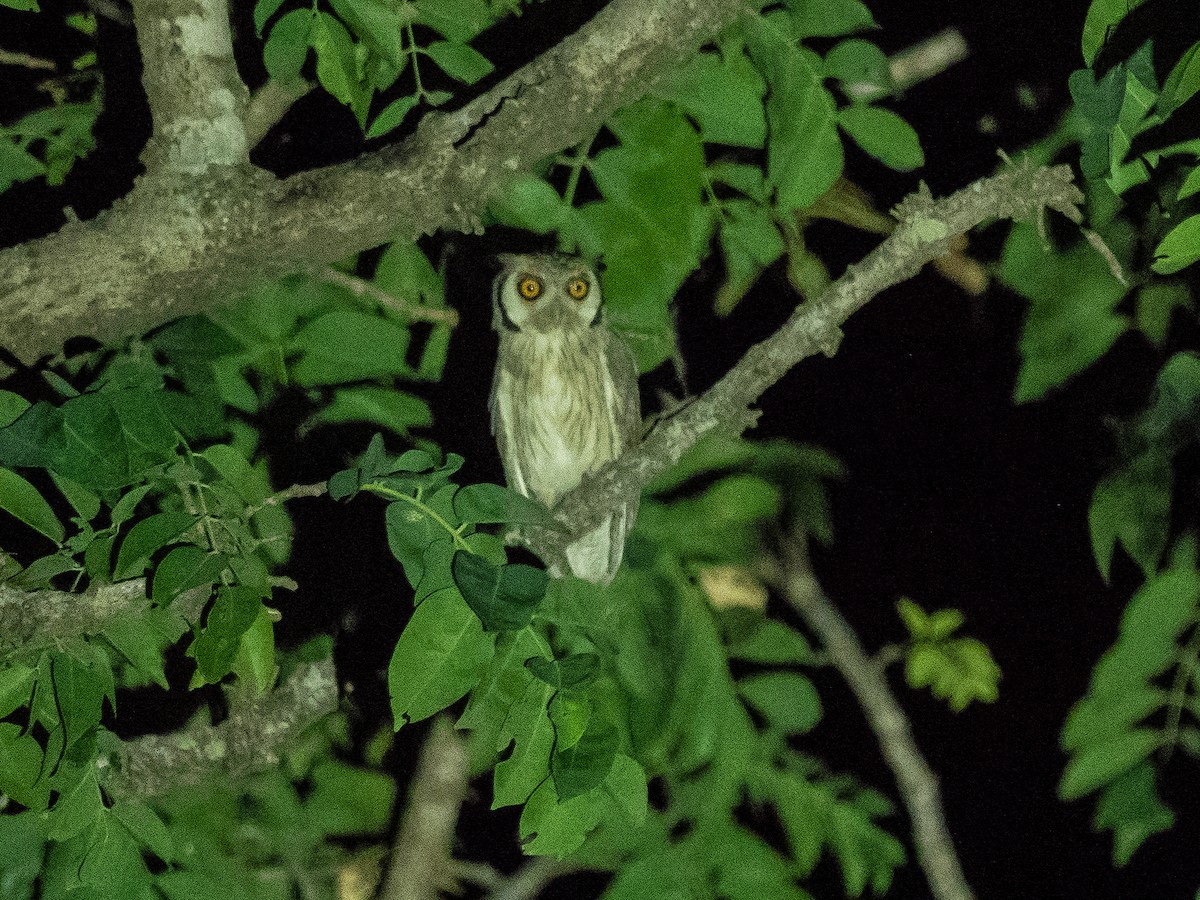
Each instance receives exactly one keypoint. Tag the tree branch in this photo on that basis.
(46, 616)
(196, 96)
(917, 784)
(926, 230)
(248, 741)
(421, 863)
(177, 246)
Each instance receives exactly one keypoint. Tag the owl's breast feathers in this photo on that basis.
(557, 413)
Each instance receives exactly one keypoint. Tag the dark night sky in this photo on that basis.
(955, 496)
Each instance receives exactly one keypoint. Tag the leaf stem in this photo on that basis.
(383, 490)
(412, 50)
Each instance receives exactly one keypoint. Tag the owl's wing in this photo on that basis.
(627, 410)
(500, 404)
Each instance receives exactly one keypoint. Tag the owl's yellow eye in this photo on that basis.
(577, 288)
(529, 287)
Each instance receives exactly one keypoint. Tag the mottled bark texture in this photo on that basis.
(250, 740)
(180, 243)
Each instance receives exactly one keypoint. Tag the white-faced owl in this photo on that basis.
(564, 397)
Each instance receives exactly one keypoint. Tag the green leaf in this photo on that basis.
(22, 499)
(1071, 321)
(1153, 622)
(723, 93)
(392, 116)
(503, 597)
(17, 164)
(804, 151)
(135, 636)
(787, 700)
(859, 63)
(748, 869)
(1182, 83)
(263, 10)
(570, 671)
(1097, 716)
(182, 569)
(773, 643)
(397, 411)
(1179, 249)
(492, 504)
(234, 611)
(1156, 302)
(829, 18)
(84, 501)
(626, 785)
(20, 766)
(884, 135)
(378, 22)
(287, 44)
(11, 407)
(146, 537)
(529, 729)
(21, 5)
(551, 827)
(459, 61)
(22, 851)
(586, 762)
(255, 661)
(15, 687)
(530, 203)
(347, 345)
(145, 825)
(1133, 506)
(1102, 17)
(1131, 808)
(502, 685)
(866, 853)
(440, 655)
(79, 804)
(1100, 764)
(347, 800)
(336, 67)
(410, 533)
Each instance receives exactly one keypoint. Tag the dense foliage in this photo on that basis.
(150, 461)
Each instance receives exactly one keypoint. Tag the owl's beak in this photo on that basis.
(554, 314)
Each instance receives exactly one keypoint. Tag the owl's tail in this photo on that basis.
(596, 556)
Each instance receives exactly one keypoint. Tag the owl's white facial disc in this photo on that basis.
(547, 293)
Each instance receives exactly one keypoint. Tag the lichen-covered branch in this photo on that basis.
(47, 616)
(178, 246)
(421, 866)
(250, 740)
(196, 96)
(917, 784)
(925, 231)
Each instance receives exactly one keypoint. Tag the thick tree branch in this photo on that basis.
(421, 857)
(248, 741)
(197, 99)
(925, 232)
(46, 616)
(916, 782)
(176, 246)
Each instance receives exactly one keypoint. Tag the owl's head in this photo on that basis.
(545, 292)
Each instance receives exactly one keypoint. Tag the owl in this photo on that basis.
(564, 397)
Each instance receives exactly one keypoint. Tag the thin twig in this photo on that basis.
(421, 862)
(529, 880)
(269, 104)
(922, 61)
(918, 786)
(14, 58)
(360, 287)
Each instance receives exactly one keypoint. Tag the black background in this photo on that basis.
(956, 497)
